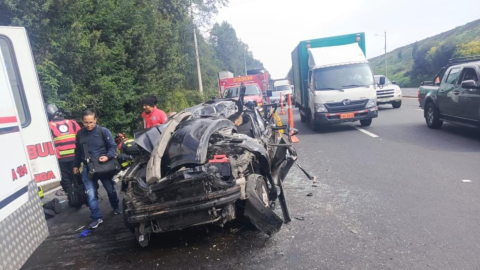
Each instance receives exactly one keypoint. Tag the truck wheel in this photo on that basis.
(366, 122)
(303, 118)
(432, 116)
(396, 104)
(314, 126)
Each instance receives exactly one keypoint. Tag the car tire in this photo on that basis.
(257, 207)
(366, 122)
(432, 116)
(396, 104)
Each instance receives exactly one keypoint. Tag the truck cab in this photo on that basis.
(281, 86)
(252, 92)
(341, 87)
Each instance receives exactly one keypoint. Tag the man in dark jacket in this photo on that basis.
(101, 147)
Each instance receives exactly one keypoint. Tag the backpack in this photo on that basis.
(76, 194)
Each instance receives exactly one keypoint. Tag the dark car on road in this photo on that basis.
(454, 95)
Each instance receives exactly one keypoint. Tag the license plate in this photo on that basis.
(347, 115)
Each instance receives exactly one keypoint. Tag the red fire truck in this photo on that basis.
(258, 77)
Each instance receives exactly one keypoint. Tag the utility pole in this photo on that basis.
(245, 59)
(386, 61)
(199, 70)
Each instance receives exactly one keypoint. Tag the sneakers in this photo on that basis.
(117, 211)
(95, 223)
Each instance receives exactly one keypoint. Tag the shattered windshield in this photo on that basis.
(222, 108)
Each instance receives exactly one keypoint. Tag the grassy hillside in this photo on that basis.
(411, 64)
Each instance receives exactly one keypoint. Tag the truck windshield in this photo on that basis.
(343, 77)
(282, 88)
(251, 90)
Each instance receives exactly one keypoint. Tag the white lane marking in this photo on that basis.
(366, 132)
(466, 181)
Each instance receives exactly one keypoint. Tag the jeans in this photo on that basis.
(108, 184)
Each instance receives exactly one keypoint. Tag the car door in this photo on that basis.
(469, 99)
(447, 97)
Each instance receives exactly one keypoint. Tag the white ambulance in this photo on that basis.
(27, 158)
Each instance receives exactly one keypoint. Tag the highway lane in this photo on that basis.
(395, 200)
(410, 92)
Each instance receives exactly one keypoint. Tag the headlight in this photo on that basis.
(319, 107)
(398, 90)
(371, 103)
(260, 104)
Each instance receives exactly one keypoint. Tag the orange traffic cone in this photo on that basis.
(282, 111)
(290, 120)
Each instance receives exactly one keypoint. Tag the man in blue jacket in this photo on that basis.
(102, 147)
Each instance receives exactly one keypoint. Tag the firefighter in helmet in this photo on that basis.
(64, 132)
(126, 149)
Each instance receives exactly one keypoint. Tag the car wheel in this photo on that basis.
(257, 206)
(366, 122)
(432, 116)
(397, 104)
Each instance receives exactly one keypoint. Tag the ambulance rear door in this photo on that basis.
(22, 222)
(23, 78)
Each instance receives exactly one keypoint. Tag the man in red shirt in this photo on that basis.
(152, 116)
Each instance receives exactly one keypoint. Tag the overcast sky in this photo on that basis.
(272, 28)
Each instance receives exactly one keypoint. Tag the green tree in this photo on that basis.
(108, 54)
(468, 49)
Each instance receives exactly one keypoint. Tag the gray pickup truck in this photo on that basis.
(454, 95)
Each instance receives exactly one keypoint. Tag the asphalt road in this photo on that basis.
(389, 196)
(410, 92)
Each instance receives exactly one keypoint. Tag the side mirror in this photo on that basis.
(269, 93)
(382, 81)
(394, 82)
(294, 132)
(305, 84)
(470, 84)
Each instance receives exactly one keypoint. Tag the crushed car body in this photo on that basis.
(210, 164)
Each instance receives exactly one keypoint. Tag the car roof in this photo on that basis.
(466, 64)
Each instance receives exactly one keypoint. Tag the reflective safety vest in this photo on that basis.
(64, 134)
(123, 149)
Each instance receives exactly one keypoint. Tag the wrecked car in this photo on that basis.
(209, 164)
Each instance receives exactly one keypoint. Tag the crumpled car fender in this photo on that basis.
(154, 168)
(189, 144)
